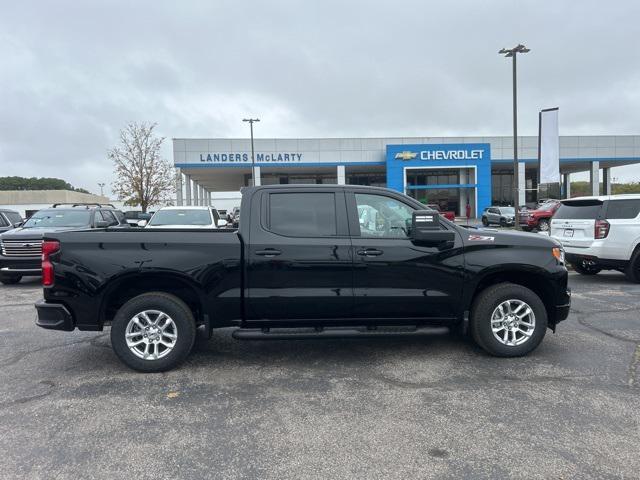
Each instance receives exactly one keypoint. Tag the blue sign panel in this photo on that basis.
(448, 155)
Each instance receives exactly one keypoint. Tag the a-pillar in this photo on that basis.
(606, 181)
(522, 185)
(566, 185)
(187, 189)
(341, 175)
(594, 178)
(178, 187)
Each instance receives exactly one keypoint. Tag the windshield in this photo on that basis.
(59, 218)
(181, 217)
(508, 210)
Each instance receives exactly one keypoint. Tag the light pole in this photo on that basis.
(101, 185)
(253, 160)
(513, 53)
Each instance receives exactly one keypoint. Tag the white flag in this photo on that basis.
(549, 146)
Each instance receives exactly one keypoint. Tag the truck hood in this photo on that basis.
(33, 232)
(492, 236)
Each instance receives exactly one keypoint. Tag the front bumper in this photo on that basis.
(563, 306)
(53, 316)
(20, 266)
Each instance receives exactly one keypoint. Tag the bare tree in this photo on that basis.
(142, 176)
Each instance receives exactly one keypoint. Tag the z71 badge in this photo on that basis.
(481, 238)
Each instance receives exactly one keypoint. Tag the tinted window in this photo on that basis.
(181, 217)
(302, 214)
(13, 217)
(579, 210)
(108, 217)
(3, 222)
(59, 218)
(508, 211)
(623, 208)
(381, 216)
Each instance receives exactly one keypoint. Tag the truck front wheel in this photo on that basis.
(508, 320)
(153, 332)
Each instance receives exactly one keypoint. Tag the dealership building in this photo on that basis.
(452, 172)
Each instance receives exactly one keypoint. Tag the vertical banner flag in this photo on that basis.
(549, 146)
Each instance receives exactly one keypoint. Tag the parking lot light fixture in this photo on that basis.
(253, 161)
(513, 53)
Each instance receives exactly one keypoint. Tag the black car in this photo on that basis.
(304, 263)
(21, 248)
(9, 219)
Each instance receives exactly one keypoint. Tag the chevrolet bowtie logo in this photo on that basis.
(406, 155)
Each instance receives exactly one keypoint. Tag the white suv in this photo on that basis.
(185, 217)
(600, 233)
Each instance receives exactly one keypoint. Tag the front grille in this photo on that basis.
(22, 248)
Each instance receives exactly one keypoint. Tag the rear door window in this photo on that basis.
(303, 214)
(620, 209)
(3, 222)
(579, 210)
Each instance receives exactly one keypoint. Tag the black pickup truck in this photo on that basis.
(306, 261)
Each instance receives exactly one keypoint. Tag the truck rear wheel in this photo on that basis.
(508, 320)
(153, 332)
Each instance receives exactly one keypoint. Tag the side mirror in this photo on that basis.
(17, 224)
(222, 223)
(142, 223)
(102, 224)
(426, 232)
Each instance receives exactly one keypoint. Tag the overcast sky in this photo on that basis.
(73, 73)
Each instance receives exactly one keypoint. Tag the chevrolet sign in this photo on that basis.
(406, 155)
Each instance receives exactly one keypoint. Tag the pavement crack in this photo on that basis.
(20, 355)
(633, 366)
(584, 323)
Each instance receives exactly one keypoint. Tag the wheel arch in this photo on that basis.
(534, 279)
(129, 286)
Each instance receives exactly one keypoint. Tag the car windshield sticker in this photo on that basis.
(481, 238)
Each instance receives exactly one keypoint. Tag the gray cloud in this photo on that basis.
(75, 72)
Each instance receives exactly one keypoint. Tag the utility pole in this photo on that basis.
(253, 160)
(513, 52)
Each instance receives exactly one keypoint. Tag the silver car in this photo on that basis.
(503, 216)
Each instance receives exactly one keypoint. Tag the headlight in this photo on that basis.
(558, 253)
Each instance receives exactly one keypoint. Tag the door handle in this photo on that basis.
(269, 252)
(369, 252)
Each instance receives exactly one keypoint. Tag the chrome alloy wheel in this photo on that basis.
(513, 322)
(151, 334)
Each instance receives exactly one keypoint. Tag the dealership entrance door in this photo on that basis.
(451, 188)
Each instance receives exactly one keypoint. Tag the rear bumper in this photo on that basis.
(53, 316)
(601, 262)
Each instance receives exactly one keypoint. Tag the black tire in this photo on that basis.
(176, 309)
(483, 308)
(583, 268)
(543, 225)
(632, 270)
(526, 229)
(503, 222)
(485, 222)
(10, 280)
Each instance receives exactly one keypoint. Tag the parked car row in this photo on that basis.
(21, 241)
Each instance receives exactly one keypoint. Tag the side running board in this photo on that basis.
(334, 332)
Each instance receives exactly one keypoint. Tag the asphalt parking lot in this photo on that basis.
(420, 407)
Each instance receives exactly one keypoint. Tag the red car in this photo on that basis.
(540, 218)
(448, 214)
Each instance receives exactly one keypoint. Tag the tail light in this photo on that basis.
(48, 247)
(601, 229)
